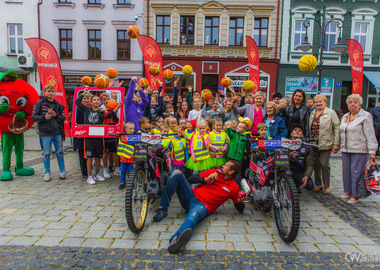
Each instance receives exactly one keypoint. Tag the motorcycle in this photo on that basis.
(269, 183)
(147, 179)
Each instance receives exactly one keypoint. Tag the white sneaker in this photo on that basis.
(106, 173)
(62, 175)
(117, 171)
(91, 180)
(47, 177)
(99, 178)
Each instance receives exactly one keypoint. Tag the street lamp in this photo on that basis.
(323, 23)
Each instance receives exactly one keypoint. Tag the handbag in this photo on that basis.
(361, 185)
(372, 179)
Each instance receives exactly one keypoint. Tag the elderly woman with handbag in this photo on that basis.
(324, 128)
(358, 143)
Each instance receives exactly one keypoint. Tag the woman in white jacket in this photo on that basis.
(358, 142)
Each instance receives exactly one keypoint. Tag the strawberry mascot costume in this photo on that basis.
(17, 99)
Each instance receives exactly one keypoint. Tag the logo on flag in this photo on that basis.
(356, 57)
(150, 52)
(53, 81)
(253, 55)
(44, 54)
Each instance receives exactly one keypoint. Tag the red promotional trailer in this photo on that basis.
(93, 131)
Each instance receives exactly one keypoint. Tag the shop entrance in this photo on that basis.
(346, 91)
(210, 81)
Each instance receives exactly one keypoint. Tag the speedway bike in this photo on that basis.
(146, 182)
(269, 184)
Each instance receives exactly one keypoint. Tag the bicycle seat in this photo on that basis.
(158, 150)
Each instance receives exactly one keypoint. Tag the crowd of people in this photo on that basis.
(208, 133)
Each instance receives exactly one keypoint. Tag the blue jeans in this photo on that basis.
(46, 152)
(196, 210)
(124, 166)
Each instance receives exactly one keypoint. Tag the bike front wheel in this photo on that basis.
(287, 210)
(136, 199)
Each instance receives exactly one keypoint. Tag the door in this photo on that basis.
(346, 91)
(210, 81)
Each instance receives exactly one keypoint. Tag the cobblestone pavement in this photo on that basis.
(70, 224)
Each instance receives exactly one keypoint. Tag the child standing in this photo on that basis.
(191, 126)
(178, 149)
(93, 146)
(144, 125)
(199, 143)
(126, 151)
(262, 130)
(171, 122)
(196, 113)
(218, 143)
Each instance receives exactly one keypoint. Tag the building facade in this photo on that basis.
(361, 22)
(90, 36)
(18, 21)
(210, 36)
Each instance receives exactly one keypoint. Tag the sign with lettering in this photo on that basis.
(309, 85)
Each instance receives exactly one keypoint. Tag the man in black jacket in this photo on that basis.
(49, 114)
(375, 112)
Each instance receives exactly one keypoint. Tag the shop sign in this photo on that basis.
(75, 79)
(309, 85)
(237, 81)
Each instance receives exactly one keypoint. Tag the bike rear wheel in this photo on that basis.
(136, 199)
(287, 211)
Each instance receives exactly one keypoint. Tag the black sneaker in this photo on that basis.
(180, 240)
(122, 185)
(239, 206)
(160, 214)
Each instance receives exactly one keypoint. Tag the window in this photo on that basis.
(212, 31)
(163, 29)
(94, 1)
(16, 40)
(260, 33)
(187, 29)
(361, 33)
(94, 44)
(65, 1)
(332, 33)
(123, 45)
(299, 33)
(123, 2)
(236, 32)
(66, 43)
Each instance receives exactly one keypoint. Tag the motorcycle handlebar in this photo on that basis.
(304, 140)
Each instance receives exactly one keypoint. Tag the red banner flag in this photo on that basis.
(152, 55)
(49, 69)
(254, 62)
(355, 53)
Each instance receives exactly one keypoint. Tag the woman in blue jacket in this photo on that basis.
(276, 125)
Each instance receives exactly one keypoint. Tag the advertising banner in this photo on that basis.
(152, 55)
(78, 129)
(254, 62)
(355, 54)
(49, 70)
(309, 85)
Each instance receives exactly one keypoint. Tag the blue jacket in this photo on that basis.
(277, 127)
(134, 110)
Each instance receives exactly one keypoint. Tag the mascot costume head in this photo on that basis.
(17, 99)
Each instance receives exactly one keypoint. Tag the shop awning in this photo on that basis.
(374, 78)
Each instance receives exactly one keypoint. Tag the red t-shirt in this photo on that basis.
(215, 194)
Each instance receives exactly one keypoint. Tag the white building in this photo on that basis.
(18, 21)
(90, 36)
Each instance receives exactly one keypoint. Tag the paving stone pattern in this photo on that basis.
(36, 257)
(43, 224)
